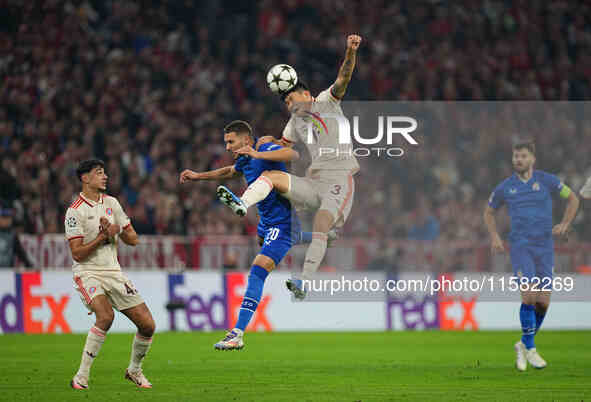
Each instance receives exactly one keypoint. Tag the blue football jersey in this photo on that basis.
(529, 204)
(274, 209)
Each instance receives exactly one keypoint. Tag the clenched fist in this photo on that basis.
(188, 175)
(353, 41)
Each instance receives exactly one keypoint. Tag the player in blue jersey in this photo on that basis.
(278, 228)
(528, 196)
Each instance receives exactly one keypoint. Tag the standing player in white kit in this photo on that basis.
(94, 223)
(328, 186)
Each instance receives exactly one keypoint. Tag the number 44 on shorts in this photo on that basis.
(130, 289)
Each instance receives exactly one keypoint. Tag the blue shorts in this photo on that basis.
(277, 240)
(532, 259)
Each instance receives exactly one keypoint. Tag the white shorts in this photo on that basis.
(113, 284)
(331, 190)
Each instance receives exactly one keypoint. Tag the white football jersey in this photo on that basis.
(323, 143)
(82, 221)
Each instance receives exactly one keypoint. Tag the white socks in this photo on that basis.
(257, 191)
(315, 254)
(139, 349)
(94, 341)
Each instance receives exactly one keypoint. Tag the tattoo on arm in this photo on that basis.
(345, 73)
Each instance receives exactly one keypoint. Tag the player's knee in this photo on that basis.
(528, 298)
(323, 221)
(104, 319)
(542, 306)
(147, 327)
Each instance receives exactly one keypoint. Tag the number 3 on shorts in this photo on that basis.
(336, 189)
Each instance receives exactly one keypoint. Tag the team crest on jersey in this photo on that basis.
(512, 190)
(536, 186)
(109, 211)
(71, 222)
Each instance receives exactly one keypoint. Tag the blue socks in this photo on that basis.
(252, 297)
(527, 316)
(539, 319)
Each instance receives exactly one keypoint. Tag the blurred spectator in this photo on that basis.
(424, 225)
(10, 245)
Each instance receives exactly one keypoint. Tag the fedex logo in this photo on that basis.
(204, 304)
(235, 287)
(211, 304)
(17, 309)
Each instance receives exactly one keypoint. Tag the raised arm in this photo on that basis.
(346, 71)
(225, 173)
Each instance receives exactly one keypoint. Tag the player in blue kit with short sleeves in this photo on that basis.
(278, 228)
(528, 196)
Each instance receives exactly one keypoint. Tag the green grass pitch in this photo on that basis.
(377, 366)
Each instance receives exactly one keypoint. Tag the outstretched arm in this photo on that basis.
(279, 155)
(225, 173)
(346, 71)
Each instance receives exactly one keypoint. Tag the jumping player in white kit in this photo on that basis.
(329, 186)
(94, 224)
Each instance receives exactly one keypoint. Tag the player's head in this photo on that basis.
(297, 98)
(237, 134)
(91, 173)
(524, 156)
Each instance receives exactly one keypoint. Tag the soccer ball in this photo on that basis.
(281, 78)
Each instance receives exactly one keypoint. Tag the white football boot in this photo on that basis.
(520, 360)
(232, 341)
(228, 198)
(534, 358)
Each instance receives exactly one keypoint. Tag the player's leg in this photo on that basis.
(261, 267)
(337, 197)
(544, 262)
(276, 243)
(256, 191)
(545, 270)
(101, 306)
(268, 181)
(141, 316)
(125, 298)
(523, 267)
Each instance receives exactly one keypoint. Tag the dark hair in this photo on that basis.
(87, 165)
(525, 144)
(300, 86)
(239, 127)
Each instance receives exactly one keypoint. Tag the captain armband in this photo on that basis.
(565, 191)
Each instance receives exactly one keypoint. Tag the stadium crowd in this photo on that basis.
(148, 86)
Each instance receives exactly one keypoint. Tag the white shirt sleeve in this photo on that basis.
(289, 133)
(121, 217)
(73, 224)
(327, 96)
